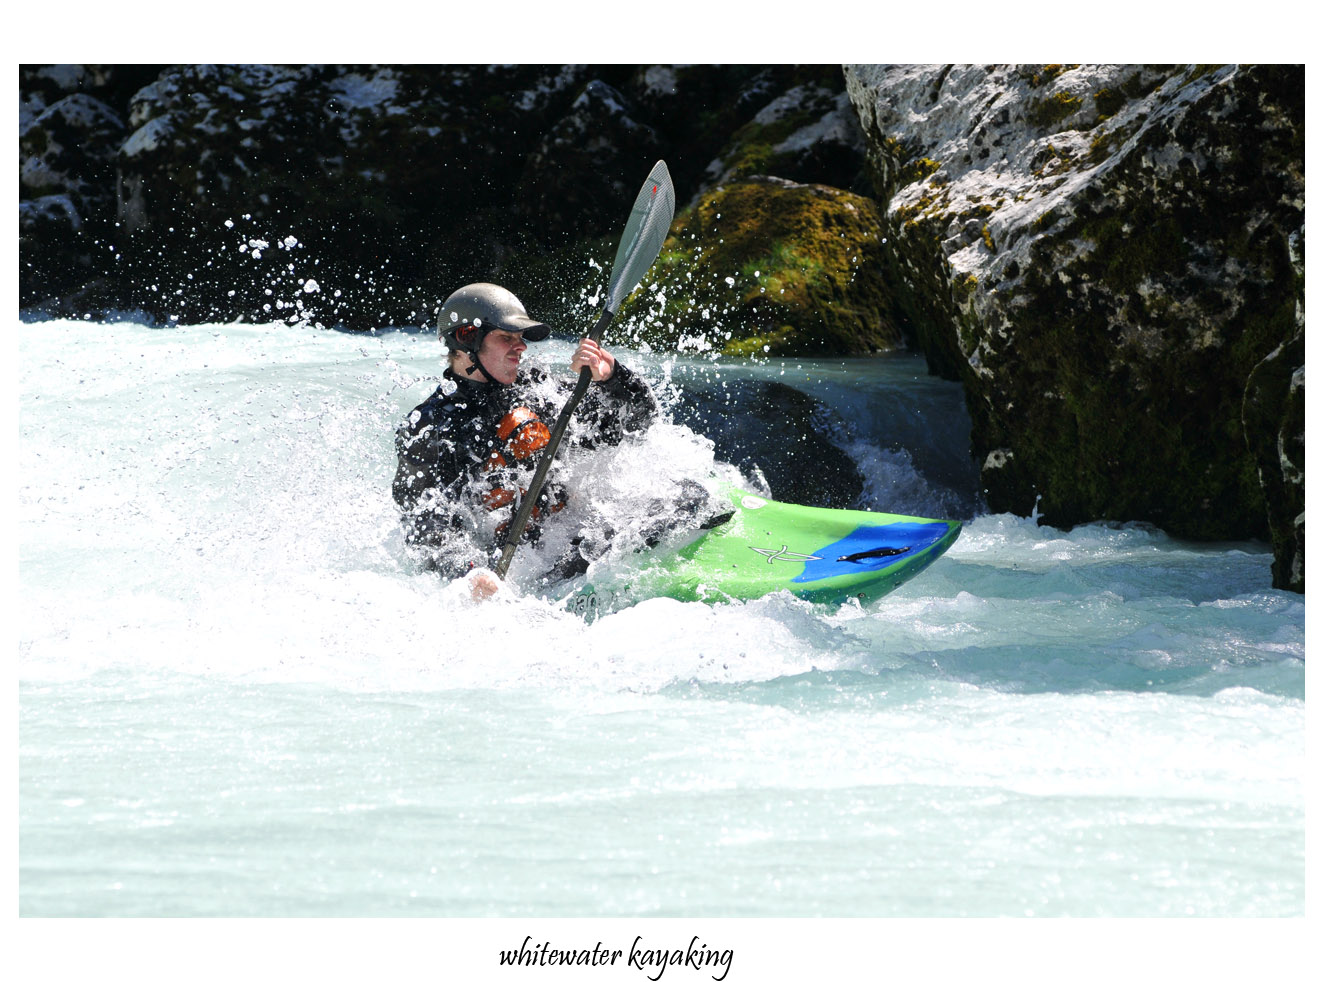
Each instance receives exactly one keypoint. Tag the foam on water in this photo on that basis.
(212, 577)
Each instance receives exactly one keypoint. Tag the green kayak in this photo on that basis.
(826, 555)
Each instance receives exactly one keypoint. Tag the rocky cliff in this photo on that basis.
(1110, 258)
(359, 195)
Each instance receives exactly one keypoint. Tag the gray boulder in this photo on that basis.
(1103, 255)
(808, 133)
(1274, 420)
(777, 436)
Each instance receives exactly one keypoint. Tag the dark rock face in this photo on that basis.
(360, 195)
(808, 134)
(1274, 420)
(592, 154)
(800, 463)
(371, 183)
(67, 141)
(1103, 255)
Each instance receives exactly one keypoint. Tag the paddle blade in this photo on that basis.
(650, 219)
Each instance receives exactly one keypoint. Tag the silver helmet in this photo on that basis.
(472, 311)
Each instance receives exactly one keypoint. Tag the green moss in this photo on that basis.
(1049, 112)
(774, 343)
(1108, 102)
(928, 205)
(916, 170)
(752, 149)
(1131, 248)
(1101, 146)
(796, 268)
(753, 158)
(1046, 74)
(1137, 86)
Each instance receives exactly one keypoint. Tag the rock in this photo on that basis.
(359, 195)
(725, 122)
(808, 134)
(778, 436)
(67, 143)
(1274, 420)
(768, 266)
(1102, 255)
(69, 147)
(585, 168)
(384, 185)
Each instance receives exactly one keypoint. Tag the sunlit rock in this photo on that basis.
(1103, 254)
(766, 266)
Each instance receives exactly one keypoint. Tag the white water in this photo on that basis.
(238, 697)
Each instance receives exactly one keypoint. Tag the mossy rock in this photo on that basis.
(1137, 264)
(1274, 421)
(767, 266)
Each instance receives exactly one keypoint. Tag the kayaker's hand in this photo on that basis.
(589, 355)
(483, 584)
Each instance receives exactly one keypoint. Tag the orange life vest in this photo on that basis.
(522, 435)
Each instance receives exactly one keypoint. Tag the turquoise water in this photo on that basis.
(237, 696)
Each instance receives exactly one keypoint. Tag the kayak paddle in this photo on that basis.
(646, 228)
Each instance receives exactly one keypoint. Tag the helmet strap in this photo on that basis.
(476, 365)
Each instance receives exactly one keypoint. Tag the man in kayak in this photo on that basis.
(466, 454)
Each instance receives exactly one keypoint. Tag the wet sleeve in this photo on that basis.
(429, 486)
(621, 404)
(421, 459)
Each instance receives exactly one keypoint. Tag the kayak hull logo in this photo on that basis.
(782, 555)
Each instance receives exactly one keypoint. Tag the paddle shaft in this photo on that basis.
(650, 218)
(521, 519)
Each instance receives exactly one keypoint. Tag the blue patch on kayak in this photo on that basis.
(871, 548)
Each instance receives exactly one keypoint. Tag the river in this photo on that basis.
(239, 697)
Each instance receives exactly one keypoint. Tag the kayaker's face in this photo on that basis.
(501, 352)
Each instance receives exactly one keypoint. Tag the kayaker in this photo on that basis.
(465, 450)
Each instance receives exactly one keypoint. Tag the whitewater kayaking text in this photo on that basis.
(653, 962)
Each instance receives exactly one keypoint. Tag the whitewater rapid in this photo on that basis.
(240, 696)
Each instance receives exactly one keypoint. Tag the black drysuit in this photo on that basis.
(457, 462)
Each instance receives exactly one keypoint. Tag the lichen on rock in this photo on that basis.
(1102, 257)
